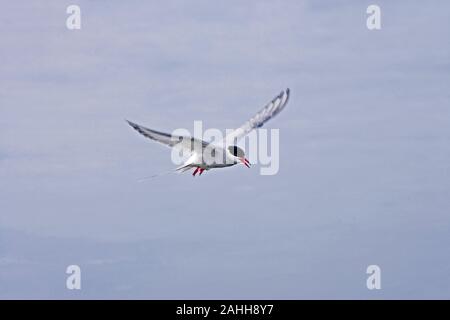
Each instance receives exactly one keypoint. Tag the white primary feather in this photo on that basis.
(265, 114)
(189, 144)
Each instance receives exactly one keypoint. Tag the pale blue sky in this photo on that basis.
(364, 172)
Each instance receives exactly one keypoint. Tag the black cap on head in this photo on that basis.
(236, 151)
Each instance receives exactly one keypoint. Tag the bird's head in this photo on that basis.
(238, 154)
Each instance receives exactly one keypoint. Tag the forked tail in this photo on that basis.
(181, 169)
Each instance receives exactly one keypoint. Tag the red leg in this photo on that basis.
(201, 171)
(195, 171)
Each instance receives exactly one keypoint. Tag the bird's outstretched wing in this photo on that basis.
(268, 112)
(187, 143)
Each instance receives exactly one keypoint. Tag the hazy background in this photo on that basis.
(364, 174)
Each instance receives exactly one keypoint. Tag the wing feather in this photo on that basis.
(269, 111)
(187, 143)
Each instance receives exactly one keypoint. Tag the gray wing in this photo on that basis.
(268, 112)
(188, 143)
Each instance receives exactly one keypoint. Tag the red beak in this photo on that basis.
(245, 161)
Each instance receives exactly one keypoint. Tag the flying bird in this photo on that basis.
(203, 155)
